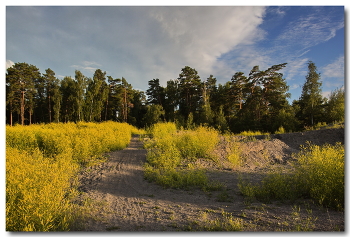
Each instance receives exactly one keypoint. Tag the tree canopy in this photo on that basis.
(258, 101)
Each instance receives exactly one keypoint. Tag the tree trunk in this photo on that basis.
(11, 118)
(22, 108)
(50, 108)
(106, 109)
(30, 116)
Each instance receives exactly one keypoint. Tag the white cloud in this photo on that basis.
(334, 69)
(9, 63)
(294, 86)
(296, 68)
(87, 63)
(243, 59)
(198, 36)
(87, 66)
(309, 31)
(142, 43)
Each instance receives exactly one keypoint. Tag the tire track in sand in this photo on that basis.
(124, 201)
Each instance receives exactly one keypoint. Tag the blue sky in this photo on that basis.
(142, 43)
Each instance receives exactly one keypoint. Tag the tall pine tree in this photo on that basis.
(311, 100)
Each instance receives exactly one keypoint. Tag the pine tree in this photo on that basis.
(67, 91)
(206, 114)
(96, 95)
(79, 94)
(171, 102)
(189, 90)
(311, 99)
(155, 93)
(20, 81)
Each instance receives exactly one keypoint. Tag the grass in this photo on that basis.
(206, 222)
(42, 162)
(223, 196)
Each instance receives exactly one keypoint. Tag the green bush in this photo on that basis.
(198, 143)
(318, 174)
(169, 154)
(320, 171)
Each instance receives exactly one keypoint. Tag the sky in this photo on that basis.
(141, 43)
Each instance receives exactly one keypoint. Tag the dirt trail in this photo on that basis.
(122, 200)
(125, 201)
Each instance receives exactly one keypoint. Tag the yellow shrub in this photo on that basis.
(198, 143)
(169, 151)
(41, 163)
(318, 174)
(252, 133)
(160, 130)
(35, 191)
(21, 137)
(321, 170)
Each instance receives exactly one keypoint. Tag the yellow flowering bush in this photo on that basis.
(35, 191)
(321, 173)
(170, 150)
(318, 174)
(42, 162)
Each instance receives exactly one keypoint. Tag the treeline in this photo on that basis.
(258, 101)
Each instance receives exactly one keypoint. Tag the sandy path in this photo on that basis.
(122, 200)
(125, 201)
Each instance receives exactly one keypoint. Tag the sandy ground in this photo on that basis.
(120, 199)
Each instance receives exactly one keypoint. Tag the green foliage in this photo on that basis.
(170, 153)
(224, 223)
(311, 99)
(319, 174)
(21, 82)
(198, 143)
(254, 102)
(227, 223)
(335, 109)
(173, 178)
(252, 133)
(285, 118)
(153, 114)
(321, 171)
(280, 130)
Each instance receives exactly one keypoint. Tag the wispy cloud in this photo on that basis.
(87, 66)
(294, 86)
(308, 31)
(334, 69)
(296, 68)
(142, 43)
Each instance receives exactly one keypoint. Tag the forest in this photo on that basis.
(256, 102)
